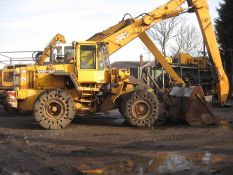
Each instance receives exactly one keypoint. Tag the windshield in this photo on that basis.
(87, 57)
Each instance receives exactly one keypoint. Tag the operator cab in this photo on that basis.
(92, 62)
(92, 55)
(89, 55)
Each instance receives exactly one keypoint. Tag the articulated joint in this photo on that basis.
(196, 4)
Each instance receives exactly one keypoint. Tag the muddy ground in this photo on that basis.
(102, 144)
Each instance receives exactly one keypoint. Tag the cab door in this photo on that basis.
(87, 63)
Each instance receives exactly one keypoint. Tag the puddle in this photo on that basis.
(204, 163)
(168, 162)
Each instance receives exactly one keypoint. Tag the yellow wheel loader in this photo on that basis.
(78, 80)
(7, 73)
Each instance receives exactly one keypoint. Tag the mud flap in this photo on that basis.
(189, 105)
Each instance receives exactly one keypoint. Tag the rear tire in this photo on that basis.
(54, 109)
(140, 108)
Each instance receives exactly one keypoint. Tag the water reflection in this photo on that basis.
(175, 162)
(163, 163)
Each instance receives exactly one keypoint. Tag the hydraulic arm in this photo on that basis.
(200, 7)
(58, 38)
(125, 31)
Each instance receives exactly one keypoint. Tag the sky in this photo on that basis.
(31, 24)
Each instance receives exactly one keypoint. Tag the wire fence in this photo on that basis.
(17, 57)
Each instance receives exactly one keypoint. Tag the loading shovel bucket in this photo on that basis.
(189, 105)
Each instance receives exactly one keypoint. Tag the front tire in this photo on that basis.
(141, 108)
(54, 109)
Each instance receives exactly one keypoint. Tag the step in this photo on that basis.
(85, 100)
(74, 80)
(86, 109)
(86, 94)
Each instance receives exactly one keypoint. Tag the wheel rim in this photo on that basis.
(141, 109)
(54, 109)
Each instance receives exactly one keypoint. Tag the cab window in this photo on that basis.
(58, 56)
(104, 57)
(87, 57)
(62, 54)
(69, 54)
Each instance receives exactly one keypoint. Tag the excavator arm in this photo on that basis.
(200, 7)
(127, 30)
(160, 58)
(58, 38)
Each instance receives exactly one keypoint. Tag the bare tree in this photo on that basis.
(174, 35)
(163, 32)
(187, 40)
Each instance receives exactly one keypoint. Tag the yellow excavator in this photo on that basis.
(78, 78)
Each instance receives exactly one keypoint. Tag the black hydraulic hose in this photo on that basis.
(142, 15)
(127, 14)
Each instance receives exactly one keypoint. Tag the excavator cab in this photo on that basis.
(90, 59)
(92, 56)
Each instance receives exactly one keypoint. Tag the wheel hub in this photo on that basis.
(55, 108)
(141, 109)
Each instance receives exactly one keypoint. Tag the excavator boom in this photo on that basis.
(125, 31)
(191, 105)
(200, 7)
(58, 38)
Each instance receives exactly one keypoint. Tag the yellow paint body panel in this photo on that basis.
(92, 76)
(7, 78)
(184, 58)
(27, 99)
